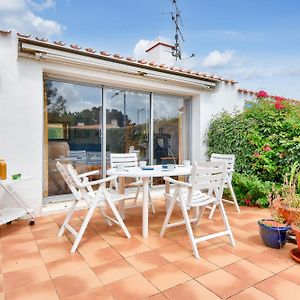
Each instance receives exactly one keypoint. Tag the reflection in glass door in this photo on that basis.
(127, 122)
(74, 118)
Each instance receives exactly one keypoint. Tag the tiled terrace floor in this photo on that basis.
(35, 264)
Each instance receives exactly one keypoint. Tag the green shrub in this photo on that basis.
(251, 191)
(264, 138)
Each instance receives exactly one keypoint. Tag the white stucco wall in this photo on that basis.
(21, 120)
(206, 105)
(21, 110)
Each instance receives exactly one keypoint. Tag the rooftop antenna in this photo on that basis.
(176, 19)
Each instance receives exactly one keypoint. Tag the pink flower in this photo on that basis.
(267, 148)
(247, 201)
(278, 105)
(262, 94)
(278, 99)
(256, 154)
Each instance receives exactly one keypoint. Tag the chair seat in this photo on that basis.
(135, 184)
(199, 198)
(114, 196)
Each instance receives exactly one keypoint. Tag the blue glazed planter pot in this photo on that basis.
(272, 236)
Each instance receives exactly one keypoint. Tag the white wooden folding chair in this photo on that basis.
(82, 189)
(229, 159)
(208, 176)
(129, 160)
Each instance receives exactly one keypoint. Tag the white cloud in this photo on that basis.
(140, 48)
(217, 59)
(42, 5)
(142, 45)
(18, 15)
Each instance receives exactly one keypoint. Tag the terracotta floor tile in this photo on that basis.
(195, 267)
(114, 271)
(131, 247)
(271, 262)
(159, 296)
(19, 262)
(291, 274)
(50, 225)
(55, 253)
(254, 241)
(1, 283)
(279, 288)
(173, 252)
(135, 287)
(166, 276)
(99, 257)
(66, 265)
(147, 261)
(251, 293)
(191, 290)
(220, 257)
(16, 238)
(18, 249)
(25, 277)
(76, 282)
(242, 250)
(113, 238)
(99, 293)
(222, 283)
(89, 243)
(43, 290)
(155, 242)
(54, 242)
(248, 272)
(44, 234)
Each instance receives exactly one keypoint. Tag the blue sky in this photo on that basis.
(255, 42)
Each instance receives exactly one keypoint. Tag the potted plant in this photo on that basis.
(288, 202)
(273, 231)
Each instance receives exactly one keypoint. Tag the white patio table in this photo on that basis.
(145, 176)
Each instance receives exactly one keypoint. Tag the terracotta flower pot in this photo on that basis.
(296, 229)
(290, 214)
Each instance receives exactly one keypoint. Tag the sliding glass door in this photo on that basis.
(74, 118)
(152, 125)
(127, 122)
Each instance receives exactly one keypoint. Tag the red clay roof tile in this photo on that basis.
(59, 43)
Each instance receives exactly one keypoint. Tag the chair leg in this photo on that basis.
(150, 201)
(225, 219)
(168, 216)
(67, 219)
(103, 214)
(136, 195)
(200, 214)
(118, 217)
(189, 229)
(233, 196)
(212, 211)
(84, 225)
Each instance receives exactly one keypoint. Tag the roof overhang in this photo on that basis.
(53, 53)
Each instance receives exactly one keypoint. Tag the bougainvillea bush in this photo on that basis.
(265, 139)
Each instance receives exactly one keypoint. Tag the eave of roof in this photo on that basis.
(74, 48)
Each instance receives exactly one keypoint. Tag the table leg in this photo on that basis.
(121, 187)
(145, 206)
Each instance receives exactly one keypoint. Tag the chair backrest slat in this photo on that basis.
(208, 177)
(229, 159)
(123, 159)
